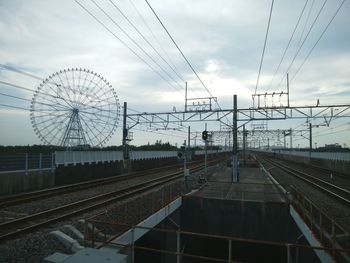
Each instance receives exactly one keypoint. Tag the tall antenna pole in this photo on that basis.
(186, 97)
(288, 88)
(124, 141)
(235, 146)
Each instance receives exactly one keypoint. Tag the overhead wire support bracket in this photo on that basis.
(243, 114)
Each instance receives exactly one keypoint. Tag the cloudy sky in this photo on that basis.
(223, 40)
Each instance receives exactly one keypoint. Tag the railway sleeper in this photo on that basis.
(72, 231)
(70, 243)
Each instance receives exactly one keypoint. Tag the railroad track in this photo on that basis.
(322, 169)
(11, 200)
(30, 223)
(328, 171)
(332, 190)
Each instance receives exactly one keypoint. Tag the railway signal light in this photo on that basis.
(205, 135)
(181, 153)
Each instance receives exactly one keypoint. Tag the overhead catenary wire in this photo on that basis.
(305, 24)
(333, 132)
(302, 44)
(324, 134)
(318, 40)
(136, 44)
(35, 77)
(264, 47)
(14, 107)
(50, 95)
(158, 42)
(288, 44)
(39, 92)
(146, 40)
(20, 71)
(182, 54)
(155, 131)
(152, 33)
(124, 43)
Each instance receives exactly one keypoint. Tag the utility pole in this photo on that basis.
(284, 139)
(235, 146)
(206, 152)
(291, 138)
(244, 144)
(189, 140)
(186, 97)
(229, 140)
(185, 160)
(310, 139)
(189, 137)
(288, 88)
(124, 141)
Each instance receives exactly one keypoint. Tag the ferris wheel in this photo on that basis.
(75, 108)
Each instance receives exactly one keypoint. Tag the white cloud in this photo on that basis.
(223, 41)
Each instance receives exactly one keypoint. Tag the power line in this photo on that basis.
(290, 40)
(135, 43)
(318, 40)
(306, 37)
(333, 132)
(156, 39)
(305, 24)
(126, 45)
(146, 40)
(152, 33)
(173, 135)
(14, 107)
(332, 128)
(263, 52)
(20, 71)
(43, 93)
(182, 54)
(16, 86)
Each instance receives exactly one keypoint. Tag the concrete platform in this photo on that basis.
(254, 185)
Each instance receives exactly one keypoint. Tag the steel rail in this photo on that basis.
(332, 190)
(322, 169)
(11, 200)
(16, 227)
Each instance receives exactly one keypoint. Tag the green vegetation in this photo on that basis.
(157, 146)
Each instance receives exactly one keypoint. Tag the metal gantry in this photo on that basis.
(263, 111)
(174, 119)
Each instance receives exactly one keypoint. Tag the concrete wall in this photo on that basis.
(13, 183)
(336, 165)
(254, 220)
(334, 161)
(79, 173)
(240, 219)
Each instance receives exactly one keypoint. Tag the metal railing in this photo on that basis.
(328, 232)
(104, 229)
(26, 162)
(291, 251)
